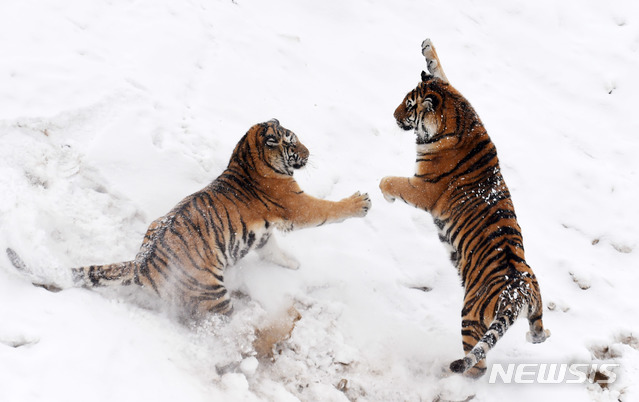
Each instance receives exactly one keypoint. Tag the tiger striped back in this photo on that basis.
(184, 253)
(458, 181)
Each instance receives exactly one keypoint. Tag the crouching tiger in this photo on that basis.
(458, 181)
(184, 253)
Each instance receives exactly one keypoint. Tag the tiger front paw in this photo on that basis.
(360, 204)
(386, 186)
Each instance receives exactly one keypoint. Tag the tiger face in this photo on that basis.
(421, 109)
(282, 150)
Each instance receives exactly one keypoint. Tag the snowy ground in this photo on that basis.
(112, 111)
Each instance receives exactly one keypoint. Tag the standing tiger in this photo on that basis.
(458, 181)
(184, 253)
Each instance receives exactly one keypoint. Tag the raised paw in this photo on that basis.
(427, 46)
(432, 61)
(429, 53)
(360, 203)
(537, 337)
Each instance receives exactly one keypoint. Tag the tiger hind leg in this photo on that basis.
(537, 333)
(478, 340)
(474, 364)
(217, 302)
(432, 61)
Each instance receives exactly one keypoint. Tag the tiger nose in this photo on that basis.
(398, 113)
(303, 153)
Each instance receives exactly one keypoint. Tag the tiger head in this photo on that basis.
(422, 109)
(274, 149)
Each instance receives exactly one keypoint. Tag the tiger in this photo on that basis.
(185, 252)
(458, 181)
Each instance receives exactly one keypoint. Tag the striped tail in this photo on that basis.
(122, 273)
(34, 277)
(17, 261)
(495, 331)
(92, 276)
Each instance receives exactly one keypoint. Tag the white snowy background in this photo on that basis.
(111, 111)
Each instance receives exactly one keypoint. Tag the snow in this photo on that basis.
(113, 111)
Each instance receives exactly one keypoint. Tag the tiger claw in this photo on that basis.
(367, 203)
(363, 202)
(425, 45)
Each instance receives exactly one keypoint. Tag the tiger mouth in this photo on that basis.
(403, 125)
(296, 162)
(421, 134)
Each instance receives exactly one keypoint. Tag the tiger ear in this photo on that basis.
(425, 76)
(430, 102)
(274, 121)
